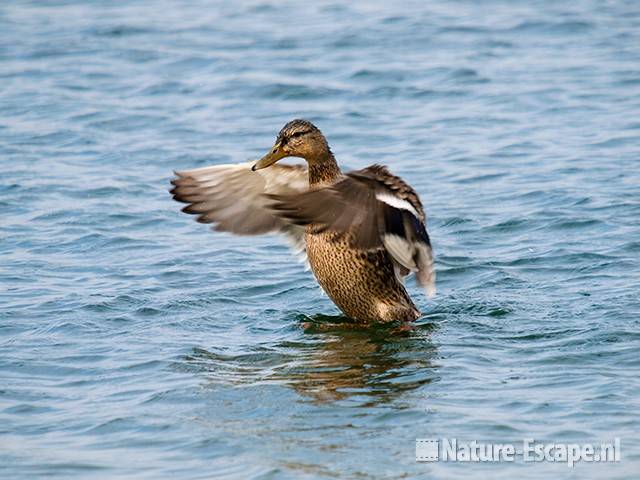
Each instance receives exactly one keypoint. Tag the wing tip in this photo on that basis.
(430, 289)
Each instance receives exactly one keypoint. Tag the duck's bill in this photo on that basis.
(270, 158)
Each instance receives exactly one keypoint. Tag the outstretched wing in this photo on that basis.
(232, 197)
(377, 210)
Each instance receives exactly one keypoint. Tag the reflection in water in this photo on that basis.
(332, 361)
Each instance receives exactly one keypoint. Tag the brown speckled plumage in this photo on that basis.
(362, 232)
(362, 283)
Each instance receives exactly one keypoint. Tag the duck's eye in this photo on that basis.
(297, 134)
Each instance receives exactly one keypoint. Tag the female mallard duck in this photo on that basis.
(362, 232)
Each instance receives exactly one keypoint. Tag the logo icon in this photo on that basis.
(426, 450)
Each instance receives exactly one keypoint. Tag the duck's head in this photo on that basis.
(298, 138)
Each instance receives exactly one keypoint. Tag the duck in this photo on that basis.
(362, 232)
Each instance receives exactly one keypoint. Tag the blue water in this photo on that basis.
(136, 344)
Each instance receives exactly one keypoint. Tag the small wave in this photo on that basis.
(567, 27)
(298, 91)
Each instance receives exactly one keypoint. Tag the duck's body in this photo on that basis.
(361, 283)
(362, 232)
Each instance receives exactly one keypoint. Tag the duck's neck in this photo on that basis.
(323, 169)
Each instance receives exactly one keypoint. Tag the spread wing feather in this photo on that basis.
(376, 209)
(231, 197)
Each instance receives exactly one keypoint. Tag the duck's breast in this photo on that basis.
(362, 283)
